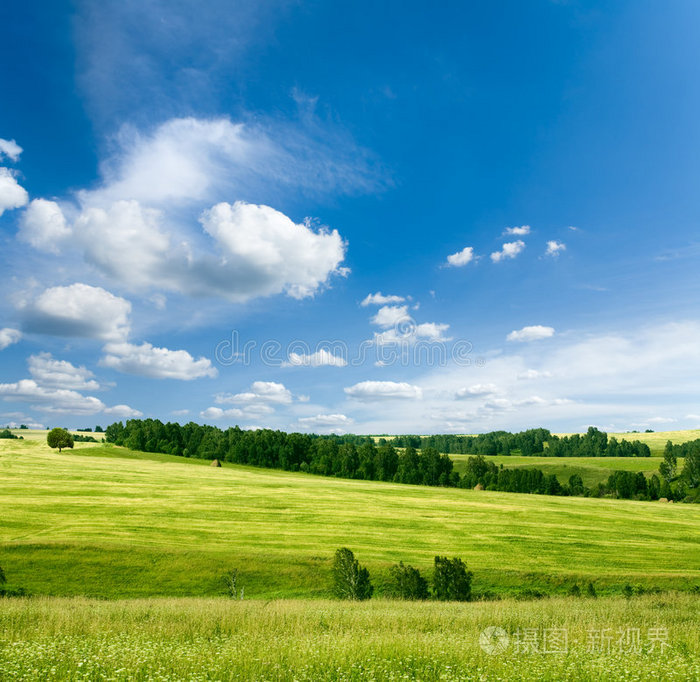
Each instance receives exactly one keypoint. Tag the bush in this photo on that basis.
(350, 580)
(590, 590)
(407, 582)
(233, 587)
(451, 580)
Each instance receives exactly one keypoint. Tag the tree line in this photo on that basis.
(359, 457)
(540, 442)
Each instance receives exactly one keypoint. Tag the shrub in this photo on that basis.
(590, 590)
(233, 587)
(407, 582)
(451, 580)
(350, 580)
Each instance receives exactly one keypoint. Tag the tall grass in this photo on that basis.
(77, 639)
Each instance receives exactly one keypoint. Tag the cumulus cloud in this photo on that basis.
(268, 253)
(554, 248)
(410, 333)
(12, 194)
(10, 149)
(477, 390)
(320, 358)
(509, 250)
(466, 255)
(259, 392)
(390, 315)
(9, 336)
(327, 423)
(53, 400)
(157, 363)
(77, 310)
(383, 390)
(138, 226)
(518, 231)
(47, 371)
(380, 299)
(532, 333)
(44, 226)
(123, 411)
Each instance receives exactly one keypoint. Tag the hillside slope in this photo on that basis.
(103, 521)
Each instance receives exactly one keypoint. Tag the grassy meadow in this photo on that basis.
(217, 639)
(124, 555)
(102, 521)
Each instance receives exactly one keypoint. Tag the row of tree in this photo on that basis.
(451, 580)
(358, 457)
(541, 442)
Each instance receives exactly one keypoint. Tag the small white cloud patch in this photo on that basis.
(508, 250)
(9, 336)
(461, 258)
(12, 194)
(43, 225)
(383, 390)
(531, 333)
(554, 248)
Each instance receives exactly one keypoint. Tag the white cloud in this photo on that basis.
(390, 315)
(326, 423)
(180, 413)
(78, 310)
(53, 400)
(320, 358)
(9, 336)
(267, 253)
(157, 363)
(123, 411)
(380, 390)
(10, 149)
(43, 225)
(509, 250)
(532, 333)
(518, 231)
(554, 248)
(380, 299)
(12, 194)
(477, 390)
(47, 371)
(466, 255)
(248, 412)
(533, 374)
(260, 391)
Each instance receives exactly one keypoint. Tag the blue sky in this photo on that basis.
(415, 218)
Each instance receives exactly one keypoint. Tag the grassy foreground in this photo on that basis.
(102, 521)
(645, 638)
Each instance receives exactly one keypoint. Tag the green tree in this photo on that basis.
(59, 438)
(451, 580)
(350, 580)
(3, 579)
(668, 467)
(691, 468)
(407, 582)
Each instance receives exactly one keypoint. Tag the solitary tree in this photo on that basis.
(350, 580)
(59, 438)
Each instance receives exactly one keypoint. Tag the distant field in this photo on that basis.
(219, 639)
(657, 441)
(104, 521)
(593, 470)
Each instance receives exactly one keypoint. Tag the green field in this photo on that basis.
(216, 639)
(102, 521)
(593, 470)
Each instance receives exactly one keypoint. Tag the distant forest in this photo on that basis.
(396, 459)
(540, 442)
